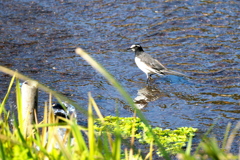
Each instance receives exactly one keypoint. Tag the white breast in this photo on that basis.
(145, 68)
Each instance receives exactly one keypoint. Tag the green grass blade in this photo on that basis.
(120, 89)
(2, 108)
(189, 146)
(23, 140)
(232, 136)
(2, 152)
(64, 150)
(19, 105)
(108, 76)
(117, 146)
(117, 143)
(103, 143)
(226, 135)
(91, 137)
(79, 140)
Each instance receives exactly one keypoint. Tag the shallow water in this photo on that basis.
(198, 38)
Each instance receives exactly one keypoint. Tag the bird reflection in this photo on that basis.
(147, 94)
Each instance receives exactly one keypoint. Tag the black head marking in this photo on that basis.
(136, 47)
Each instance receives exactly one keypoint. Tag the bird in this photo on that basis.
(150, 65)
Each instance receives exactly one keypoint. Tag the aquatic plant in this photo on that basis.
(171, 140)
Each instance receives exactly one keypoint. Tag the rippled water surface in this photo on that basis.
(198, 38)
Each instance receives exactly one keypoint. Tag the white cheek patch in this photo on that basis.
(132, 46)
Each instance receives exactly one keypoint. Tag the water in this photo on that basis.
(197, 38)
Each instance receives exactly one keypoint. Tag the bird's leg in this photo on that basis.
(148, 78)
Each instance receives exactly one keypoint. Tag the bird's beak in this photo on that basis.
(129, 49)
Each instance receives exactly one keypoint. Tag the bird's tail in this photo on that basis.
(174, 73)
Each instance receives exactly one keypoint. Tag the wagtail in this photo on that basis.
(150, 65)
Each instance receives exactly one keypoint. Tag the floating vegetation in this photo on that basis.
(171, 140)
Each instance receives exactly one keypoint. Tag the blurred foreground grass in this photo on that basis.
(103, 138)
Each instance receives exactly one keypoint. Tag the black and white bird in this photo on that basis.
(150, 65)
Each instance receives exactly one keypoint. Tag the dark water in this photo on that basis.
(198, 38)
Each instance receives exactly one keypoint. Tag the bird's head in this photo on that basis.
(136, 47)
